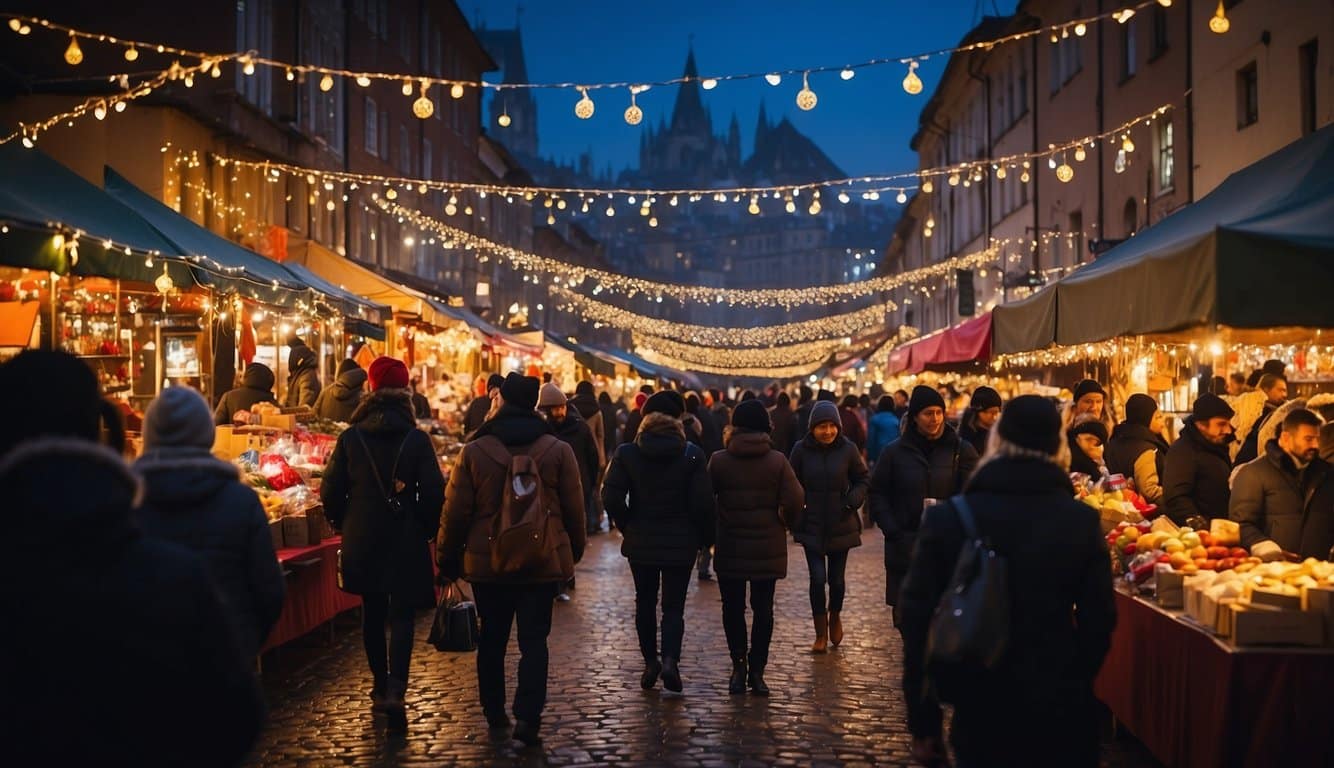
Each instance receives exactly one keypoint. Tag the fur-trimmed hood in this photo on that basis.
(661, 436)
(175, 477)
(385, 410)
(1247, 408)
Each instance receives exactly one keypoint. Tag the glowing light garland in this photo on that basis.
(805, 353)
(729, 367)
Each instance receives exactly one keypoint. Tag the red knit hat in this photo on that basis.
(387, 373)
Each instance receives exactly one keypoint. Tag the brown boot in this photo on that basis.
(821, 634)
(835, 629)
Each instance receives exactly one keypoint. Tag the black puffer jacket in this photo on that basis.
(198, 502)
(303, 381)
(256, 387)
(339, 401)
(1272, 500)
(759, 500)
(1061, 619)
(1125, 454)
(911, 470)
(784, 436)
(385, 552)
(125, 654)
(1195, 477)
(658, 493)
(834, 479)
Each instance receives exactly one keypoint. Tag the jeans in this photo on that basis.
(828, 568)
(498, 606)
(675, 581)
(734, 617)
(375, 610)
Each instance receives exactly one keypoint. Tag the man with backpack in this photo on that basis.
(513, 526)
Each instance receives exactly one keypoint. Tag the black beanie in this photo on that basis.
(1088, 387)
(584, 388)
(52, 394)
(1140, 409)
(666, 401)
(1031, 422)
(752, 415)
(347, 364)
(1088, 424)
(496, 381)
(923, 397)
(825, 396)
(984, 398)
(520, 391)
(1209, 406)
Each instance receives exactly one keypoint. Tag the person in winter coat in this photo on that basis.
(833, 475)
(574, 431)
(199, 503)
(634, 419)
(119, 651)
(586, 403)
(854, 429)
(758, 501)
(883, 429)
(256, 387)
(1195, 470)
(382, 491)
(983, 410)
(1061, 610)
(610, 424)
(473, 500)
(1087, 437)
(657, 490)
(338, 401)
(1137, 449)
(303, 377)
(805, 402)
(784, 421)
(711, 434)
(722, 412)
(928, 462)
(1272, 496)
(482, 405)
(1275, 390)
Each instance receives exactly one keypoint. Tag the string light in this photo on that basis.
(912, 83)
(423, 107)
(1219, 24)
(809, 353)
(327, 84)
(633, 114)
(1080, 154)
(806, 98)
(773, 78)
(73, 54)
(709, 83)
(583, 109)
(131, 53)
(848, 73)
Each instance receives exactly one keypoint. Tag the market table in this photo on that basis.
(313, 596)
(1195, 700)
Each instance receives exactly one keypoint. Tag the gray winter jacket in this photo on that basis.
(1271, 498)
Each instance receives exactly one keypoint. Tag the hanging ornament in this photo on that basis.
(583, 109)
(504, 119)
(928, 187)
(1127, 144)
(773, 78)
(633, 114)
(131, 53)
(1064, 172)
(326, 84)
(806, 98)
(73, 54)
(1120, 165)
(1080, 154)
(1219, 24)
(456, 91)
(912, 83)
(423, 107)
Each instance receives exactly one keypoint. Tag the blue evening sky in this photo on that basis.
(864, 124)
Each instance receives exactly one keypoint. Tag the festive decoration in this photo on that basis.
(583, 109)
(1218, 24)
(806, 99)
(423, 107)
(912, 83)
(633, 114)
(810, 353)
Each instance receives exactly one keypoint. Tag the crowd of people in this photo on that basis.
(693, 482)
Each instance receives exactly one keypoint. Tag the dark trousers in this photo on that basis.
(675, 581)
(498, 607)
(734, 617)
(376, 609)
(592, 512)
(827, 568)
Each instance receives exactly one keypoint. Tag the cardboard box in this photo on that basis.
(1171, 587)
(1261, 625)
(283, 421)
(1320, 601)
(296, 531)
(1261, 596)
(276, 533)
(222, 442)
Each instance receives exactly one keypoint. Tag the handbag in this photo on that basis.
(455, 626)
(970, 630)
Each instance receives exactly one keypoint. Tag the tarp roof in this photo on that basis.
(350, 303)
(368, 284)
(1256, 253)
(962, 346)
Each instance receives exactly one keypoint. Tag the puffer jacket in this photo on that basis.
(883, 430)
(1272, 501)
(303, 383)
(198, 502)
(758, 501)
(658, 493)
(256, 387)
(1195, 477)
(385, 552)
(834, 480)
(476, 492)
(340, 401)
(911, 470)
(1138, 454)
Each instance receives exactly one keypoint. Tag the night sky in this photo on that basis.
(864, 124)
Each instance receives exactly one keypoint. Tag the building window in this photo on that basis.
(1248, 96)
(1129, 57)
(1159, 32)
(1308, 59)
(372, 126)
(1166, 155)
(254, 32)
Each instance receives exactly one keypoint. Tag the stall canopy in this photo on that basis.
(961, 347)
(1256, 253)
(595, 361)
(369, 285)
(364, 317)
(523, 342)
(38, 194)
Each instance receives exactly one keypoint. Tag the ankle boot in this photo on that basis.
(650, 677)
(821, 634)
(756, 681)
(737, 682)
(671, 675)
(835, 628)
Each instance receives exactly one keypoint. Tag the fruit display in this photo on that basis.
(1115, 501)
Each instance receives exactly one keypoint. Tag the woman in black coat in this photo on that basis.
(1060, 602)
(383, 491)
(657, 492)
(831, 470)
(759, 500)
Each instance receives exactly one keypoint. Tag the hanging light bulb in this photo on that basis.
(407, 87)
(848, 73)
(551, 219)
(1064, 172)
(1126, 15)
(754, 208)
(610, 210)
(709, 83)
(633, 114)
(954, 179)
(1081, 29)
(456, 91)
(504, 119)
(290, 75)
(901, 198)
(912, 83)
(815, 208)
(1051, 162)
(329, 206)
(1001, 172)
(391, 194)
(248, 67)
(1165, 3)
(100, 111)
(843, 197)
(653, 221)
(773, 78)
(423, 107)
(1219, 24)
(326, 84)
(928, 187)
(791, 206)
(363, 81)
(926, 232)
(451, 209)
(1080, 154)
(806, 98)
(73, 54)
(120, 106)
(131, 53)
(1024, 177)
(931, 221)
(216, 72)
(583, 109)
(1127, 144)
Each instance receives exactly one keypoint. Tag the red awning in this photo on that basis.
(964, 344)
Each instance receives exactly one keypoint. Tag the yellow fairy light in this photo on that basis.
(504, 119)
(709, 83)
(912, 83)
(363, 81)
(791, 206)
(73, 54)
(806, 99)
(583, 109)
(1064, 172)
(901, 198)
(100, 111)
(1080, 154)
(456, 91)
(1219, 24)
(954, 179)
(1127, 144)
(1081, 29)
(1001, 172)
(120, 106)
(928, 187)
(754, 207)
(423, 107)
(326, 83)
(248, 67)
(1126, 15)
(633, 114)
(131, 53)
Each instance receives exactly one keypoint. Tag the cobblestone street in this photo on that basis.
(841, 708)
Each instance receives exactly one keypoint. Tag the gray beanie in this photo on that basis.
(178, 418)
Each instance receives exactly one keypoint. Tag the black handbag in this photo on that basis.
(455, 626)
(970, 629)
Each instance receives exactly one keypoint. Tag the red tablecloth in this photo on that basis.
(1194, 700)
(313, 596)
